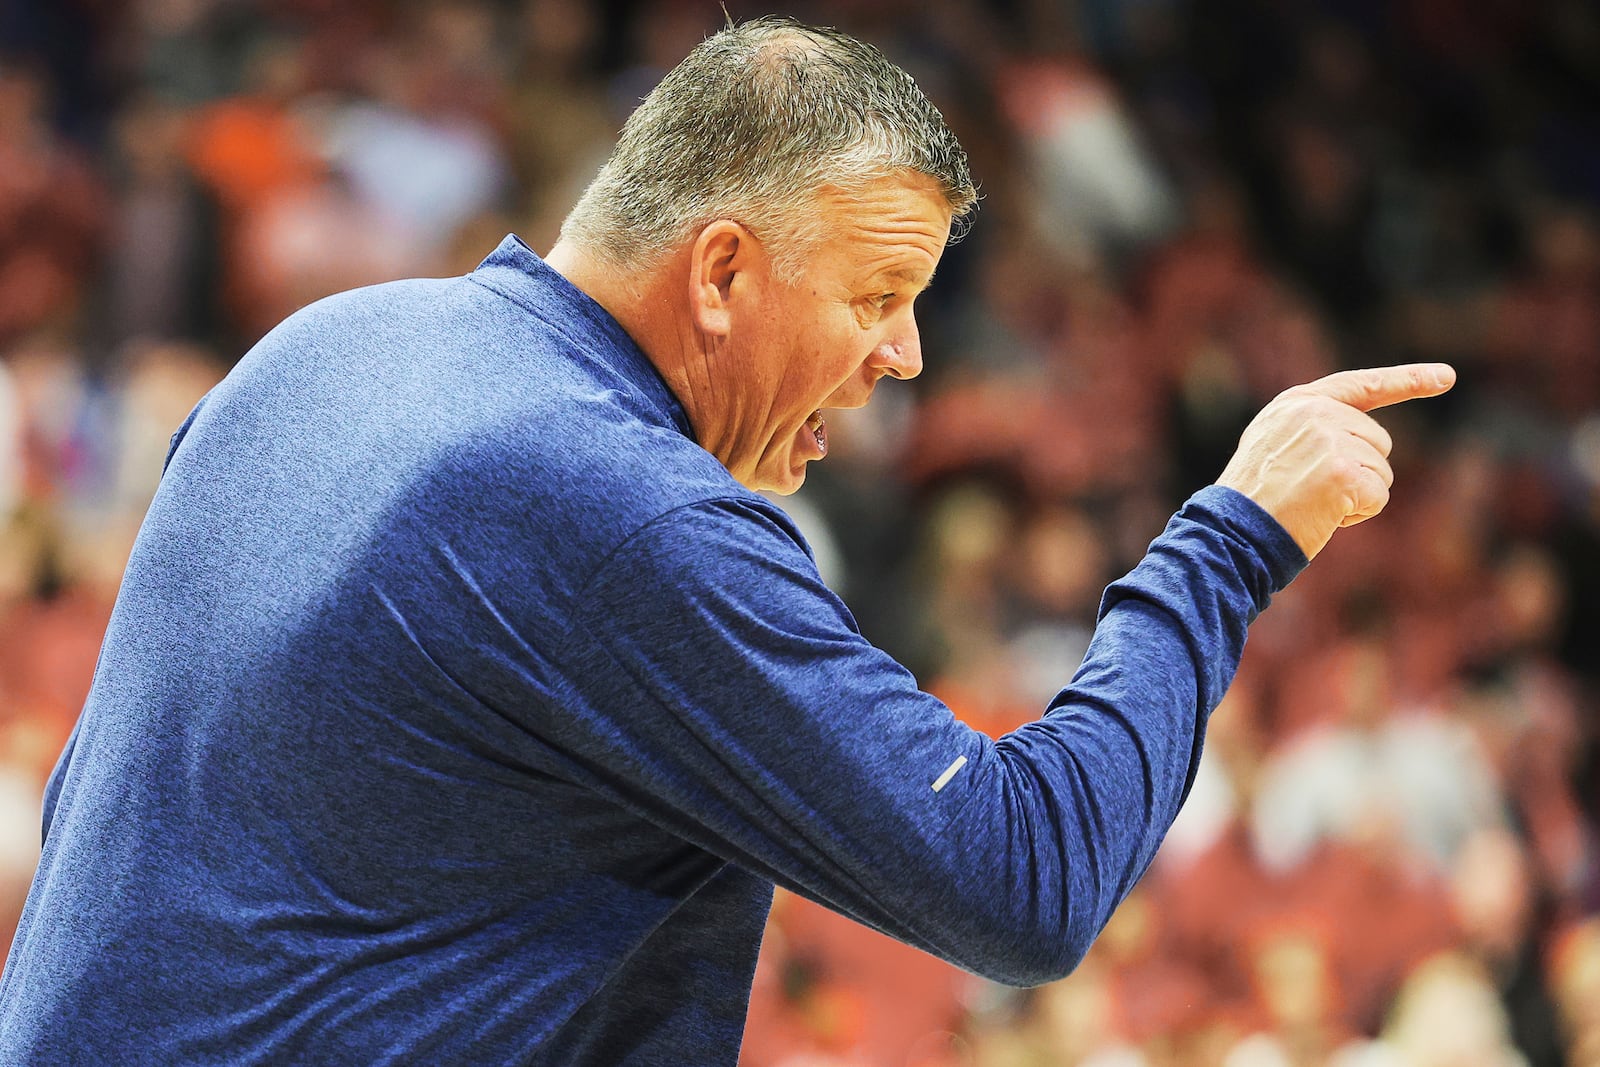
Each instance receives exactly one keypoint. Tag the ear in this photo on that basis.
(721, 257)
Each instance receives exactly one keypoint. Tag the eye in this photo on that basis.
(869, 309)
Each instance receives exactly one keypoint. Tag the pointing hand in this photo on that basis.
(1315, 460)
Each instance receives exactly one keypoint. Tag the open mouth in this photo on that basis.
(819, 431)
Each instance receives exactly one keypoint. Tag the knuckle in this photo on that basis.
(1376, 501)
(1299, 398)
(1343, 470)
(1300, 406)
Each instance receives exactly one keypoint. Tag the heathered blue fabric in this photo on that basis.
(457, 708)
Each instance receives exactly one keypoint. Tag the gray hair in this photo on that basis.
(753, 125)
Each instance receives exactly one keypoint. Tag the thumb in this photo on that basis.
(1378, 387)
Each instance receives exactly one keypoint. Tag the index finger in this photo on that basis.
(1378, 387)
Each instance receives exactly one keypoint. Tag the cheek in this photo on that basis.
(843, 366)
(822, 355)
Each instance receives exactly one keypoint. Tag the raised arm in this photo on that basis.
(749, 717)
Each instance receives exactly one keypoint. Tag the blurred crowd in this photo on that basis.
(1391, 855)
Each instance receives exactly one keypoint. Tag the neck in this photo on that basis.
(616, 291)
(651, 309)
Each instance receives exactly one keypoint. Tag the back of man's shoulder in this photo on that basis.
(479, 415)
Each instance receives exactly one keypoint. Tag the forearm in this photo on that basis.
(1083, 797)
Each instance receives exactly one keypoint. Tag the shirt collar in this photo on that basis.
(518, 273)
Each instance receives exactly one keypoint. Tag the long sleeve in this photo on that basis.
(731, 701)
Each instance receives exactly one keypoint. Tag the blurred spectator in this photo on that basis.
(414, 150)
(1446, 1015)
(252, 152)
(162, 255)
(1544, 334)
(51, 211)
(1364, 768)
(561, 122)
(158, 384)
(10, 444)
(1095, 190)
(1575, 969)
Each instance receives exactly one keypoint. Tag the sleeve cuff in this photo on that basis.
(1236, 514)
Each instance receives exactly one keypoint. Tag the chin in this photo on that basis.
(778, 486)
(781, 483)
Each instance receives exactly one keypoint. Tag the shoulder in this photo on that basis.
(592, 476)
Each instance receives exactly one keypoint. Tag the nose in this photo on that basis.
(899, 356)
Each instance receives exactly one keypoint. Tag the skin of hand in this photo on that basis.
(1316, 461)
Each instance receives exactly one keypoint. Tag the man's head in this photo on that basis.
(752, 125)
(773, 208)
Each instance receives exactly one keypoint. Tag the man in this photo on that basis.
(463, 701)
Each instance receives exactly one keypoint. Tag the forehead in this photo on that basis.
(895, 227)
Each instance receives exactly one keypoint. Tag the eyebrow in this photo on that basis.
(909, 275)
